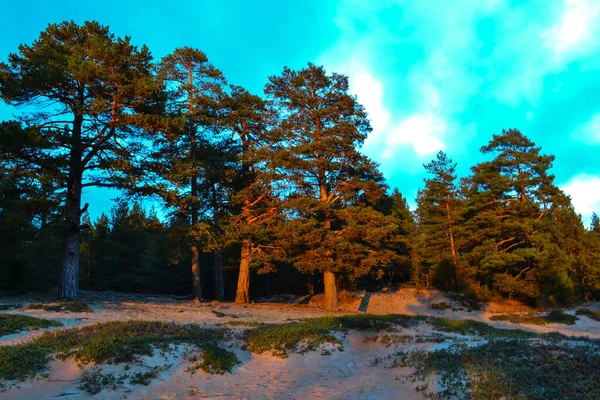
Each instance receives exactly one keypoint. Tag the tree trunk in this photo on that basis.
(453, 247)
(196, 282)
(331, 301)
(243, 287)
(69, 283)
(219, 289)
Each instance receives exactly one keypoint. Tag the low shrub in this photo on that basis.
(13, 323)
(94, 381)
(555, 316)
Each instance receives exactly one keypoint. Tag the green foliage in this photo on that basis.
(69, 306)
(332, 190)
(301, 337)
(144, 378)
(308, 334)
(21, 361)
(512, 368)
(111, 342)
(217, 360)
(94, 381)
(438, 213)
(555, 316)
(274, 184)
(13, 323)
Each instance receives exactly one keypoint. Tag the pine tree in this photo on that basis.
(92, 90)
(590, 273)
(403, 241)
(332, 227)
(507, 198)
(180, 153)
(255, 203)
(438, 213)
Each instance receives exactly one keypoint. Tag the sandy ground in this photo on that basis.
(338, 373)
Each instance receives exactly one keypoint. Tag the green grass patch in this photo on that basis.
(512, 369)
(13, 323)
(555, 316)
(300, 337)
(65, 306)
(217, 360)
(112, 342)
(595, 315)
(308, 334)
(21, 361)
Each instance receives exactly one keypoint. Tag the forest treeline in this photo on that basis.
(270, 190)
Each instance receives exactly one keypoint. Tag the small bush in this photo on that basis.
(144, 378)
(21, 361)
(555, 316)
(217, 360)
(559, 317)
(13, 323)
(94, 381)
(294, 336)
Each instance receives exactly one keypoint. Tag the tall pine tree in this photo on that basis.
(332, 225)
(89, 91)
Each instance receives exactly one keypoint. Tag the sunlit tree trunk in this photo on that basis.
(243, 288)
(331, 302)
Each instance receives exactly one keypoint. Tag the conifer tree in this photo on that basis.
(255, 203)
(438, 213)
(89, 91)
(180, 153)
(507, 199)
(332, 225)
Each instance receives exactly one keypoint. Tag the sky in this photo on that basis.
(433, 75)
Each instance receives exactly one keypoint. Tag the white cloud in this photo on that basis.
(369, 92)
(422, 131)
(575, 26)
(589, 132)
(585, 194)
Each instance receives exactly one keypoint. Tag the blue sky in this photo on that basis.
(432, 74)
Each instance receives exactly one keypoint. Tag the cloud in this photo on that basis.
(422, 131)
(584, 190)
(369, 92)
(575, 26)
